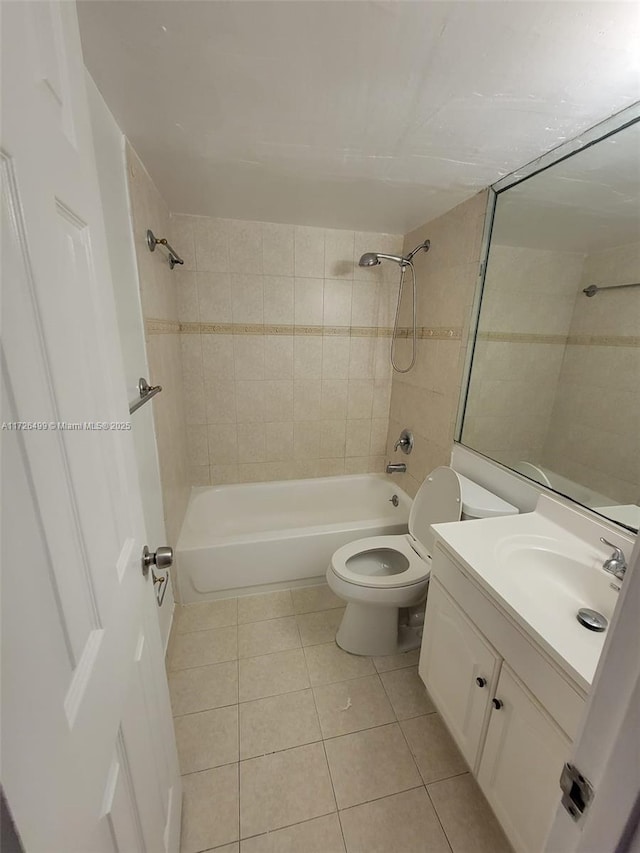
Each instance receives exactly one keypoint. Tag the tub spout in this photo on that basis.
(396, 468)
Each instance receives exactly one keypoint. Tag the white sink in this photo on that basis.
(541, 568)
(559, 579)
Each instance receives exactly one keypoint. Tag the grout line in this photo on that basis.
(435, 811)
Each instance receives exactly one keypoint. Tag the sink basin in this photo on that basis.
(541, 568)
(564, 581)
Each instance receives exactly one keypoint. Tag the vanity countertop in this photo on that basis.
(541, 567)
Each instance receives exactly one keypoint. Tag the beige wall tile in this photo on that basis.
(278, 299)
(337, 303)
(309, 252)
(250, 401)
(247, 298)
(214, 297)
(278, 357)
(308, 301)
(223, 444)
(335, 357)
(182, 232)
(333, 435)
(252, 443)
(307, 357)
(278, 400)
(306, 439)
(220, 402)
(217, 358)
(186, 295)
(197, 447)
(362, 358)
(277, 249)
(279, 440)
(366, 298)
(307, 399)
(334, 398)
(248, 353)
(211, 238)
(360, 398)
(198, 475)
(338, 254)
(245, 246)
(358, 437)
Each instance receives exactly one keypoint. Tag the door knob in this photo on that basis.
(480, 681)
(162, 558)
(497, 703)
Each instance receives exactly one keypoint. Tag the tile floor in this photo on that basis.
(289, 745)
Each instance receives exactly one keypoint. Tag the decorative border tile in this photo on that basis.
(565, 340)
(604, 340)
(161, 327)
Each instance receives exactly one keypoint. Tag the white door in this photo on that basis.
(521, 762)
(459, 668)
(88, 752)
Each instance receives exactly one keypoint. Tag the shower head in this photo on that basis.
(372, 259)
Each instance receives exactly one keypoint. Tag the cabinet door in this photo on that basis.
(460, 670)
(523, 755)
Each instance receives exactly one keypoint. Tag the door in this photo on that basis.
(88, 752)
(459, 668)
(521, 762)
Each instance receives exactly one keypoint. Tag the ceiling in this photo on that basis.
(586, 203)
(364, 115)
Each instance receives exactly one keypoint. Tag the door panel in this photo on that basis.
(89, 759)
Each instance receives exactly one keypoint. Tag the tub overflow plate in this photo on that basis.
(591, 619)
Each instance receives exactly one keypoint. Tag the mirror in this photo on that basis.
(554, 386)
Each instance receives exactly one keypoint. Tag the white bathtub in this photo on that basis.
(279, 534)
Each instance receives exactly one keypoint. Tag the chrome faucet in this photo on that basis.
(396, 468)
(616, 564)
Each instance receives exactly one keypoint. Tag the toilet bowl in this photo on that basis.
(380, 575)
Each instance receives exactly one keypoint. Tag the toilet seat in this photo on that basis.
(438, 499)
(417, 570)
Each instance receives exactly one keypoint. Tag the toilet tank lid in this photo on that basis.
(478, 502)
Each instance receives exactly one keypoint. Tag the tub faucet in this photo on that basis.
(616, 563)
(396, 468)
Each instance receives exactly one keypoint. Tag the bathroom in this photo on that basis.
(258, 238)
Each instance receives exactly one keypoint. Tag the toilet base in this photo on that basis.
(374, 631)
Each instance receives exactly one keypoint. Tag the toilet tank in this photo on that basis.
(478, 502)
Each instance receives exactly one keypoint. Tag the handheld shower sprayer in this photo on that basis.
(372, 259)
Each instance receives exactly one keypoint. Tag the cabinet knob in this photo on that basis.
(481, 682)
(497, 704)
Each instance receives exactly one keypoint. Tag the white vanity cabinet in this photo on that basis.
(510, 709)
(460, 669)
(521, 761)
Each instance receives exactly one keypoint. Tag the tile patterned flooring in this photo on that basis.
(289, 745)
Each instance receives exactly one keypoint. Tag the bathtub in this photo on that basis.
(270, 535)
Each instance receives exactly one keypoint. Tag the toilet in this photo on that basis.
(380, 575)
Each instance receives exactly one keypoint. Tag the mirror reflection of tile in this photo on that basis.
(553, 389)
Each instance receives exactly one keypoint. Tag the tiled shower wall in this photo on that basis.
(425, 400)
(285, 345)
(160, 311)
